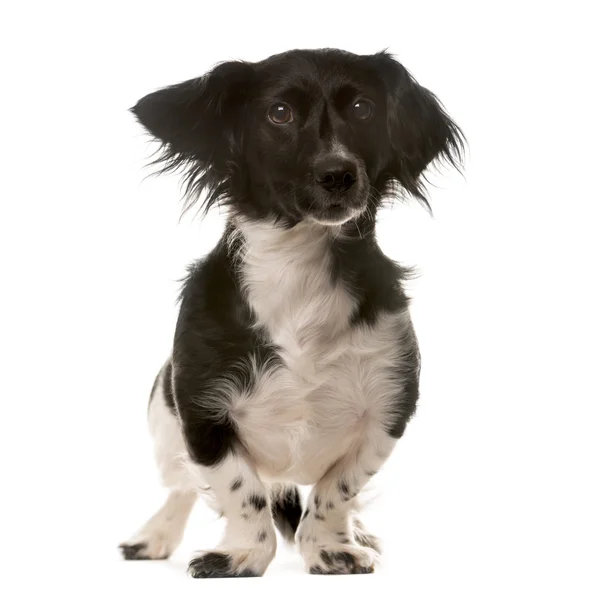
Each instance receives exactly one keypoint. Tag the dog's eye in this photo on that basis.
(362, 110)
(280, 114)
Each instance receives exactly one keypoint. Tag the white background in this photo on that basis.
(494, 489)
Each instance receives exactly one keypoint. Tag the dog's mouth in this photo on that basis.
(337, 204)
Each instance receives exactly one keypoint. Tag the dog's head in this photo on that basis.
(309, 134)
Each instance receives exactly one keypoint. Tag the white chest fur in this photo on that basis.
(337, 383)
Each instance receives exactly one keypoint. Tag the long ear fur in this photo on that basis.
(420, 129)
(199, 125)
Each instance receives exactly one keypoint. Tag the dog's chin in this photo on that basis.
(332, 209)
(335, 214)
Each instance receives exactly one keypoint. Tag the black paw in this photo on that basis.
(216, 564)
(134, 552)
(339, 563)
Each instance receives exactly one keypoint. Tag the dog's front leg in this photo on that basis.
(327, 537)
(249, 543)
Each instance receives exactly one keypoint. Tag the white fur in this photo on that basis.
(336, 388)
(170, 452)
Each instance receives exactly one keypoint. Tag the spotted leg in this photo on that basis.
(330, 541)
(249, 543)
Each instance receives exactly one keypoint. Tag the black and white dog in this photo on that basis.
(294, 358)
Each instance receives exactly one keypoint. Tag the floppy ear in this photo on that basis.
(199, 124)
(420, 130)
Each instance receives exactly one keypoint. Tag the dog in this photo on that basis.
(294, 360)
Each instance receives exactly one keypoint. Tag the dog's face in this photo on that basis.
(310, 134)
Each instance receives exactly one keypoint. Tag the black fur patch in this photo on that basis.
(407, 400)
(257, 501)
(344, 489)
(236, 484)
(317, 501)
(168, 387)
(370, 276)
(262, 536)
(319, 517)
(330, 505)
(286, 509)
(326, 557)
(214, 334)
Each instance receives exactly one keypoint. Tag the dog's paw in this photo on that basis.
(134, 552)
(230, 563)
(154, 547)
(340, 559)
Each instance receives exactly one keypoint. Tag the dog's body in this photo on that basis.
(294, 359)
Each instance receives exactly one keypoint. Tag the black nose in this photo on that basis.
(336, 174)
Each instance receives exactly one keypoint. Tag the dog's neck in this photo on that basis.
(280, 266)
(287, 278)
(268, 235)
